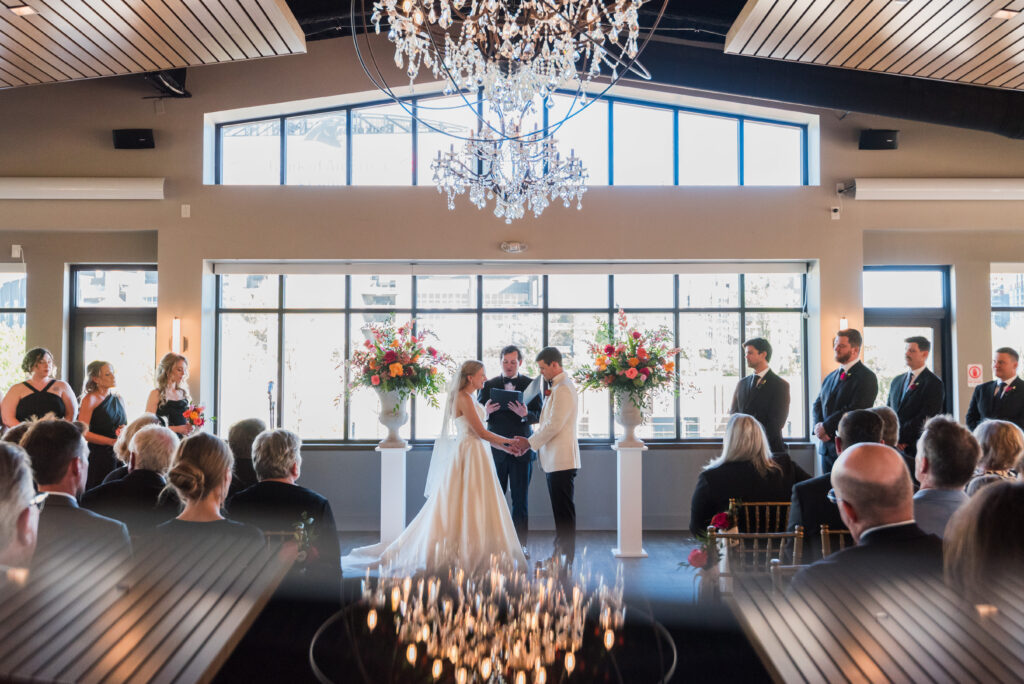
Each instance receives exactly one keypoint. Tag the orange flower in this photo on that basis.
(396, 370)
(396, 344)
(373, 364)
(633, 362)
(670, 366)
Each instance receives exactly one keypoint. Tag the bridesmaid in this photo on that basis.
(40, 395)
(103, 411)
(170, 398)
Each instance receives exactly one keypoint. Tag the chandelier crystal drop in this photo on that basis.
(513, 50)
(518, 169)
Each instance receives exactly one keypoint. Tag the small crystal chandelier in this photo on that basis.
(513, 50)
(517, 169)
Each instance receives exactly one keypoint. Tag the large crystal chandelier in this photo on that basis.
(518, 169)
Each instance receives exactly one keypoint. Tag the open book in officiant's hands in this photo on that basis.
(505, 398)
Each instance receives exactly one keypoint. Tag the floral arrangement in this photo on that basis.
(305, 533)
(700, 555)
(195, 415)
(393, 359)
(630, 362)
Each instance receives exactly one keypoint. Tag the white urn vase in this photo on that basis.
(393, 415)
(629, 416)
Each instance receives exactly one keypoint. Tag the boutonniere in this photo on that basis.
(913, 386)
(547, 392)
(1009, 388)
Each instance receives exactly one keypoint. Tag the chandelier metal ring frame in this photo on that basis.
(631, 65)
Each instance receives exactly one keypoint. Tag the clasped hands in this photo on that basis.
(517, 446)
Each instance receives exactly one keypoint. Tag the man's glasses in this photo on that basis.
(831, 496)
(38, 500)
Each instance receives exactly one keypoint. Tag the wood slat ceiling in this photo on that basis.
(73, 39)
(951, 40)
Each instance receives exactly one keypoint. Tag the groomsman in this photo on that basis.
(763, 394)
(513, 471)
(851, 386)
(1002, 398)
(916, 395)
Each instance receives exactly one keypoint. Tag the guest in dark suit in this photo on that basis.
(947, 454)
(141, 499)
(1002, 398)
(872, 489)
(19, 510)
(851, 386)
(916, 395)
(763, 394)
(277, 504)
(240, 439)
(746, 470)
(60, 463)
(809, 506)
(513, 471)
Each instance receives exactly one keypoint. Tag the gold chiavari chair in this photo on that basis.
(842, 539)
(760, 516)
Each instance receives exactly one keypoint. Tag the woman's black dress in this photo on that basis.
(107, 417)
(39, 403)
(173, 413)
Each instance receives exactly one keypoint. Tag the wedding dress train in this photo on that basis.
(465, 517)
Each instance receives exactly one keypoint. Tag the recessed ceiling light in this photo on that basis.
(23, 10)
(1005, 14)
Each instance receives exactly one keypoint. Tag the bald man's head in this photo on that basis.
(873, 484)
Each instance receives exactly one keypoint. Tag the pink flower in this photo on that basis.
(375, 379)
(619, 349)
(609, 349)
(698, 558)
(636, 335)
(432, 351)
(631, 373)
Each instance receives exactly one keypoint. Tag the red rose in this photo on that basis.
(720, 521)
(645, 371)
(390, 356)
(609, 349)
(636, 335)
(698, 558)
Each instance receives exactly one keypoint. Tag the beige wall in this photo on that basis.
(65, 130)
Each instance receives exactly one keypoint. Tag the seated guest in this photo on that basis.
(19, 513)
(201, 476)
(871, 487)
(891, 434)
(745, 470)
(276, 504)
(60, 464)
(124, 440)
(809, 507)
(1002, 445)
(15, 434)
(139, 499)
(985, 541)
(240, 438)
(947, 454)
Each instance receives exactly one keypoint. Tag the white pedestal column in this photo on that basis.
(629, 466)
(392, 492)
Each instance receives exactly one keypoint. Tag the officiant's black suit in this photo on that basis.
(769, 403)
(857, 390)
(985, 405)
(513, 471)
(915, 406)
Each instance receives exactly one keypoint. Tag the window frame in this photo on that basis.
(607, 101)
(478, 310)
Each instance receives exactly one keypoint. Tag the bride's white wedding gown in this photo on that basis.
(466, 515)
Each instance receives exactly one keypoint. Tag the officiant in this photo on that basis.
(509, 416)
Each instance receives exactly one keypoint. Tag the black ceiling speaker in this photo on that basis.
(877, 139)
(170, 83)
(133, 139)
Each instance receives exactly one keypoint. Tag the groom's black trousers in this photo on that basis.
(561, 485)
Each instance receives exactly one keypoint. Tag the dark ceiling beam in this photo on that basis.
(937, 102)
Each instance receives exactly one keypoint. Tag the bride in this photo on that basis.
(465, 518)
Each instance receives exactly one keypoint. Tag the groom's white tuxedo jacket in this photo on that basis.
(554, 437)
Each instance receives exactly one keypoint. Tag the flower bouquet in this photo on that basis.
(195, 415)
(631, 363)
(393, 359)
(704, 562)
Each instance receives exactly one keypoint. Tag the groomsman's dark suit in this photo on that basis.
(768, 401)
(986, 403)
(513, 471)
(841, 392)
(914, 404)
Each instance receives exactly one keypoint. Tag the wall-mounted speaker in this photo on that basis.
(133, 139)
(876, 139)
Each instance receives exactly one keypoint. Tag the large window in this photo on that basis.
(12, 327)
(620, 141)
(1008, 310)
(284, 340)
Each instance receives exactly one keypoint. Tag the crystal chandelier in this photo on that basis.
(518, 169)
(513, 50)
(498, 624)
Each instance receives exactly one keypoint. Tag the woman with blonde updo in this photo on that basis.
(465, 519)
(201, 476)
(103, 411)
(41, 395)
(170, 398)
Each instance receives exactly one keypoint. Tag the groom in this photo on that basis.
(555, 441)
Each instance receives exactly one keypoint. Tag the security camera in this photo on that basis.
(835, 213)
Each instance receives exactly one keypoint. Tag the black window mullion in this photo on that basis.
(284, 151)
(480, 317)
(348, 146)
(678, 359)
(280, 352)
(416, 331)
(611, 322)
(743, 322)
(347, 355)
(414, 125)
